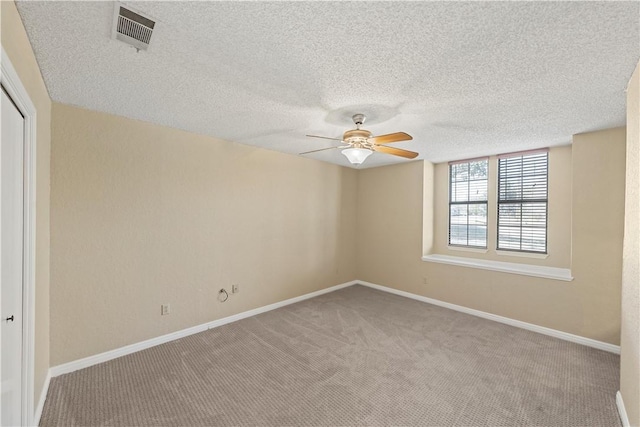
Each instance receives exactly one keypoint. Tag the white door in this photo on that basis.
(11, 258)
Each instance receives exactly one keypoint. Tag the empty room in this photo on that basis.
(320, 213)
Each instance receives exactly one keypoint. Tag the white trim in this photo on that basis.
(503, 252)
(512, 322)
(621, 410)
(523, 153)
(554, 273)
(466, 249)
(132, 348)
(43, 398)
(474, 159)
(13, 85)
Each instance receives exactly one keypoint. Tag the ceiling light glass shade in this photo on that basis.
(356, 155)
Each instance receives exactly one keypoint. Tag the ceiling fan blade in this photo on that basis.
(324, 137)
(322, 149)
(390, 137)
(395, 151)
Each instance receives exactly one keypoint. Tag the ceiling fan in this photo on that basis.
(361, 143)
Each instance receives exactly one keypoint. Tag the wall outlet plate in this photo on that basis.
(165, 309)
(235, 289)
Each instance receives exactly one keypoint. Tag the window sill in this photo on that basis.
(465, 249)
(553, 273)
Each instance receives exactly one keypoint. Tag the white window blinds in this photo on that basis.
(522, 202)
(468, 203)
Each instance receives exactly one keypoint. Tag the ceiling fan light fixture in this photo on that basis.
(356, 155)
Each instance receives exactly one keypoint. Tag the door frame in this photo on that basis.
(12, 84)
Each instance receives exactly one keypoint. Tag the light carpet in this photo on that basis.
(356, 356)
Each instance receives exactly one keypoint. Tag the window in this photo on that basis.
(468, 203)
(522, 202)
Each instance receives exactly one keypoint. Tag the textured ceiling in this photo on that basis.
(465, 79)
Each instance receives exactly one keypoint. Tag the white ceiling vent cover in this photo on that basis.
(132, 28)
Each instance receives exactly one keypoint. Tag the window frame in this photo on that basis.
(521, 202)
(468, 203)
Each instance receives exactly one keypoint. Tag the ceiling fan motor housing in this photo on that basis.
(356, 135)
(357, 138)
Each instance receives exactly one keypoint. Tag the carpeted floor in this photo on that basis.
(356, 356)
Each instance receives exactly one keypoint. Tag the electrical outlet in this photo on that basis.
(424, 280)
(165, 309)
(235, 289)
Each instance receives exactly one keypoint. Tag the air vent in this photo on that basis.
(132, 28)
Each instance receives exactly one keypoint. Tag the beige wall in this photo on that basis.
(559, 233)
(630, 333)
(598, 227)
(143, 215)
(17, 46)
(390, 213)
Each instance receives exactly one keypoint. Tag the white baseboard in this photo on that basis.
(123, 351)
(506, 320)
(622, 411)
(43, 396)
